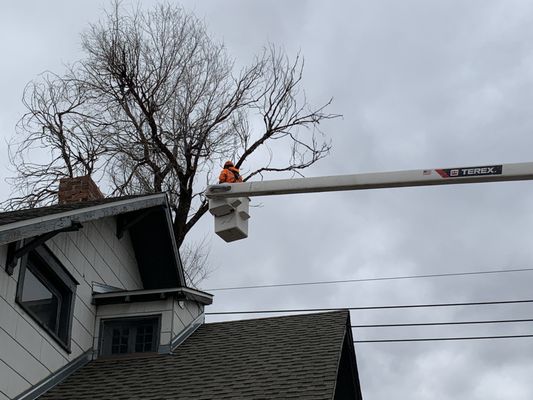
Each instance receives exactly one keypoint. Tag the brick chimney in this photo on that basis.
(81, 188)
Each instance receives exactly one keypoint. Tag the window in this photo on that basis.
(46, 291)
(129, 335)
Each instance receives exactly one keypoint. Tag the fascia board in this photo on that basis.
(174, 246)
(39, 225)
(192, 294)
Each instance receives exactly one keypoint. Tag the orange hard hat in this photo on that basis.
(228, 164)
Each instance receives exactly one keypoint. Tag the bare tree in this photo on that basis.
(194, 257)
(156, 105)
(56, 138)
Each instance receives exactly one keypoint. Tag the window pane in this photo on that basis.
(46, 291)
(42, 302)
(130, 335)
(144, 338)
(119, 341)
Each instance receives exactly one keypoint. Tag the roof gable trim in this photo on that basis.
(187, 332)
(55, 378)
(347, 372)
(39, 225)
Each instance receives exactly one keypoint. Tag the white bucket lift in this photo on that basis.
(229, 202)
(231, 217)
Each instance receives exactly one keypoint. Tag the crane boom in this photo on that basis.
(229, 202)
(376, 180)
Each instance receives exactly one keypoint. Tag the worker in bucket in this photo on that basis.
(229, 174)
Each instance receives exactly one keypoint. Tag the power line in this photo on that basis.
(443, 339)
(386, 278)
(480, 303)
(501, 321)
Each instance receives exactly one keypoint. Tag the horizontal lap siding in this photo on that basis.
(27, 353)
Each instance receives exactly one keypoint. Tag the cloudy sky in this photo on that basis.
(420, 84)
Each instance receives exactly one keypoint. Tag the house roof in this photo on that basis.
(152, 238)
(10, 217)
(290, 357)
(16, 225)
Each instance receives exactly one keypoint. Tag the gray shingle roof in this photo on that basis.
(9, 217)
(294, 357)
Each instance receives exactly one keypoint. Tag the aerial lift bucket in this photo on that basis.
(231, 217)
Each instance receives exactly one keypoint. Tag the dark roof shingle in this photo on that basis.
(293, 357)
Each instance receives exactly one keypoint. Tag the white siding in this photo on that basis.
(93, 254)
(11, 383)
(184, 313)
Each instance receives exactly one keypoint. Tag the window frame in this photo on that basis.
(104, 345)
(49, 271)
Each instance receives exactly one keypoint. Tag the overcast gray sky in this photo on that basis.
(421, 84)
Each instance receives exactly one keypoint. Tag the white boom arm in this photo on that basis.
(229, 202)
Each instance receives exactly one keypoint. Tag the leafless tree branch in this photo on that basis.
(155, 105)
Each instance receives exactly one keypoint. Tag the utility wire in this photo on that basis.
(480, 303)
(501, 321)
(385, 278)
(443, 339)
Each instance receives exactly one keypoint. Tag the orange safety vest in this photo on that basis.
(230, 175)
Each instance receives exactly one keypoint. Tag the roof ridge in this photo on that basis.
(321, 313)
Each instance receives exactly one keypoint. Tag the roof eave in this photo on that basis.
(40, 225)
(127, 296)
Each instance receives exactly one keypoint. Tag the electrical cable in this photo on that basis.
(443, 339)
(386, 278)
(501, 321)
(480, 303)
